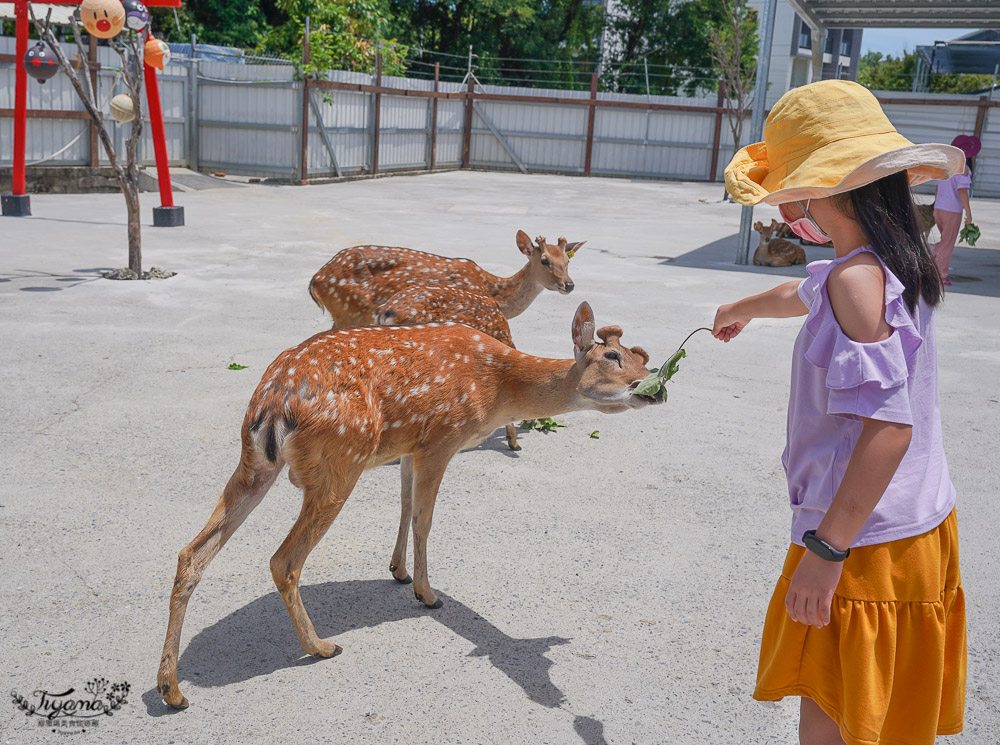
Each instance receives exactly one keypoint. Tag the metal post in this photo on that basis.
(757, 120)
(645, 67)
(591, 112)
(304, 119)
(192, 117)
(467, 135)
(377, 105)
(18, 203)
(717, 136)
(95, 152)
(434, 116)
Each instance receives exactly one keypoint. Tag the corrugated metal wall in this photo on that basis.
(248, 117)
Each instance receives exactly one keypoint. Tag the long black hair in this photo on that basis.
(884, 210)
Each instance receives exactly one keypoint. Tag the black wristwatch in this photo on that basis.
(823, 549)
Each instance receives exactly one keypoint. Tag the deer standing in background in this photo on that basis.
(776, 251)
(357, 280)
(345, 401)
(434, 303)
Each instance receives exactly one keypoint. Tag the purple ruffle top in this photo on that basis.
(836, 382)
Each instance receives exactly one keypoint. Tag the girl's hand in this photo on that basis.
(968, 219)
(810, 592)
(728, 323)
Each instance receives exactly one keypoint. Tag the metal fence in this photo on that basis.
(248, 119)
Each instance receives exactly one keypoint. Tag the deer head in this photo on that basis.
(766, 231)
(549, 265)
(608, 371)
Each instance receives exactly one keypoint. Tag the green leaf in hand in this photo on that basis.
(969, 234)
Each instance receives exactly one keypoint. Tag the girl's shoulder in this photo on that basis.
(856, 288)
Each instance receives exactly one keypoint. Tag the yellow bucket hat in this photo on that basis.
(826, 138)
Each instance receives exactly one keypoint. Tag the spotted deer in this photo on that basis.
(427, 303)
(345, 401)
(776, 251)
(352, 284)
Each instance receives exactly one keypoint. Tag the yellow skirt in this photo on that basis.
(890, 667)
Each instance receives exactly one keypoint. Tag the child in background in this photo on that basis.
(952, 198)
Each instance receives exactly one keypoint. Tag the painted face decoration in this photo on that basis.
(40, 62)
(136, 14)
(156, 53)
(104, 19)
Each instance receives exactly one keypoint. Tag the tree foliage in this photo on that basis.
(732, 45)
(887, 73)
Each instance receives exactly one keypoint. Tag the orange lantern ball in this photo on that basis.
(104, 19)
(156, 53)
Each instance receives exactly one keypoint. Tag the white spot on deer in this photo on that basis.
(476, 337)
(388, 390)
(482, 348)
(472, 387)
(398, 423)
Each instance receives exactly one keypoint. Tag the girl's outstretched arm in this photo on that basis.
(782, 301)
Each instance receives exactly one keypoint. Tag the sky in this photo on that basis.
(896, 41)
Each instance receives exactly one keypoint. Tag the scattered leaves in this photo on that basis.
(546, 424)
(595, 435)
(234, 366)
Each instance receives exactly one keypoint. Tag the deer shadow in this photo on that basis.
(259, 639)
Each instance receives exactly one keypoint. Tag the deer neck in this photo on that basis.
(536, 387)
(514, 294)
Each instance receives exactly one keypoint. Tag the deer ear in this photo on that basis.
(758, 225)
(572, 248)
(524, 243)
(583, 330)
(640, 352)
(774, 223)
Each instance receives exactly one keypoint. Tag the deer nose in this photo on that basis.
(568, 287)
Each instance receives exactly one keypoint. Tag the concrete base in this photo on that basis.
(168, 217)
(16, 205)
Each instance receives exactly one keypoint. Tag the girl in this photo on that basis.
(867, 622)
(951, 199)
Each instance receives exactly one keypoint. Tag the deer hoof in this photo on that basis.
(437, 603)
(170, 697)
(327, 650)
(404, 580)
(515, 447)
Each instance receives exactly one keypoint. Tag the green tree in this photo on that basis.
(527, 41)
(231, 23)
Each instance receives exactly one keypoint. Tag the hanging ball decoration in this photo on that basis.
(136, 14)
(104, 19)
(122, 109)
(40, 62)
(156, 53)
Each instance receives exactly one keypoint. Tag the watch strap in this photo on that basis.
(823, 549)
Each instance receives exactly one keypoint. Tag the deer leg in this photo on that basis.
(246, 487)
(319, 508)
(512, 437)
(427, 475)
(398, 564)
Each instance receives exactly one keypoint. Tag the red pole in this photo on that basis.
(159, 138)
(20, 95)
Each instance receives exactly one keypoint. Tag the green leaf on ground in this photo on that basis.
(234, 366)
(595, 435)
(546, 424)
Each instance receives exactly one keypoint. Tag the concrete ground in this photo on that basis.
(596, 591)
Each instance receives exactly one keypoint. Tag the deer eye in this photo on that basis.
(613, 356)
(545, 261)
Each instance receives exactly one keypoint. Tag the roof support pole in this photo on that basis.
(757, 120)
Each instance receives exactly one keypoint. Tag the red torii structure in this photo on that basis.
(17, 203)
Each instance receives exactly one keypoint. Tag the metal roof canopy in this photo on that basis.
(821, 15)
(898, 13)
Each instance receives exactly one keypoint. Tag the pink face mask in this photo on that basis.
(805, 227)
